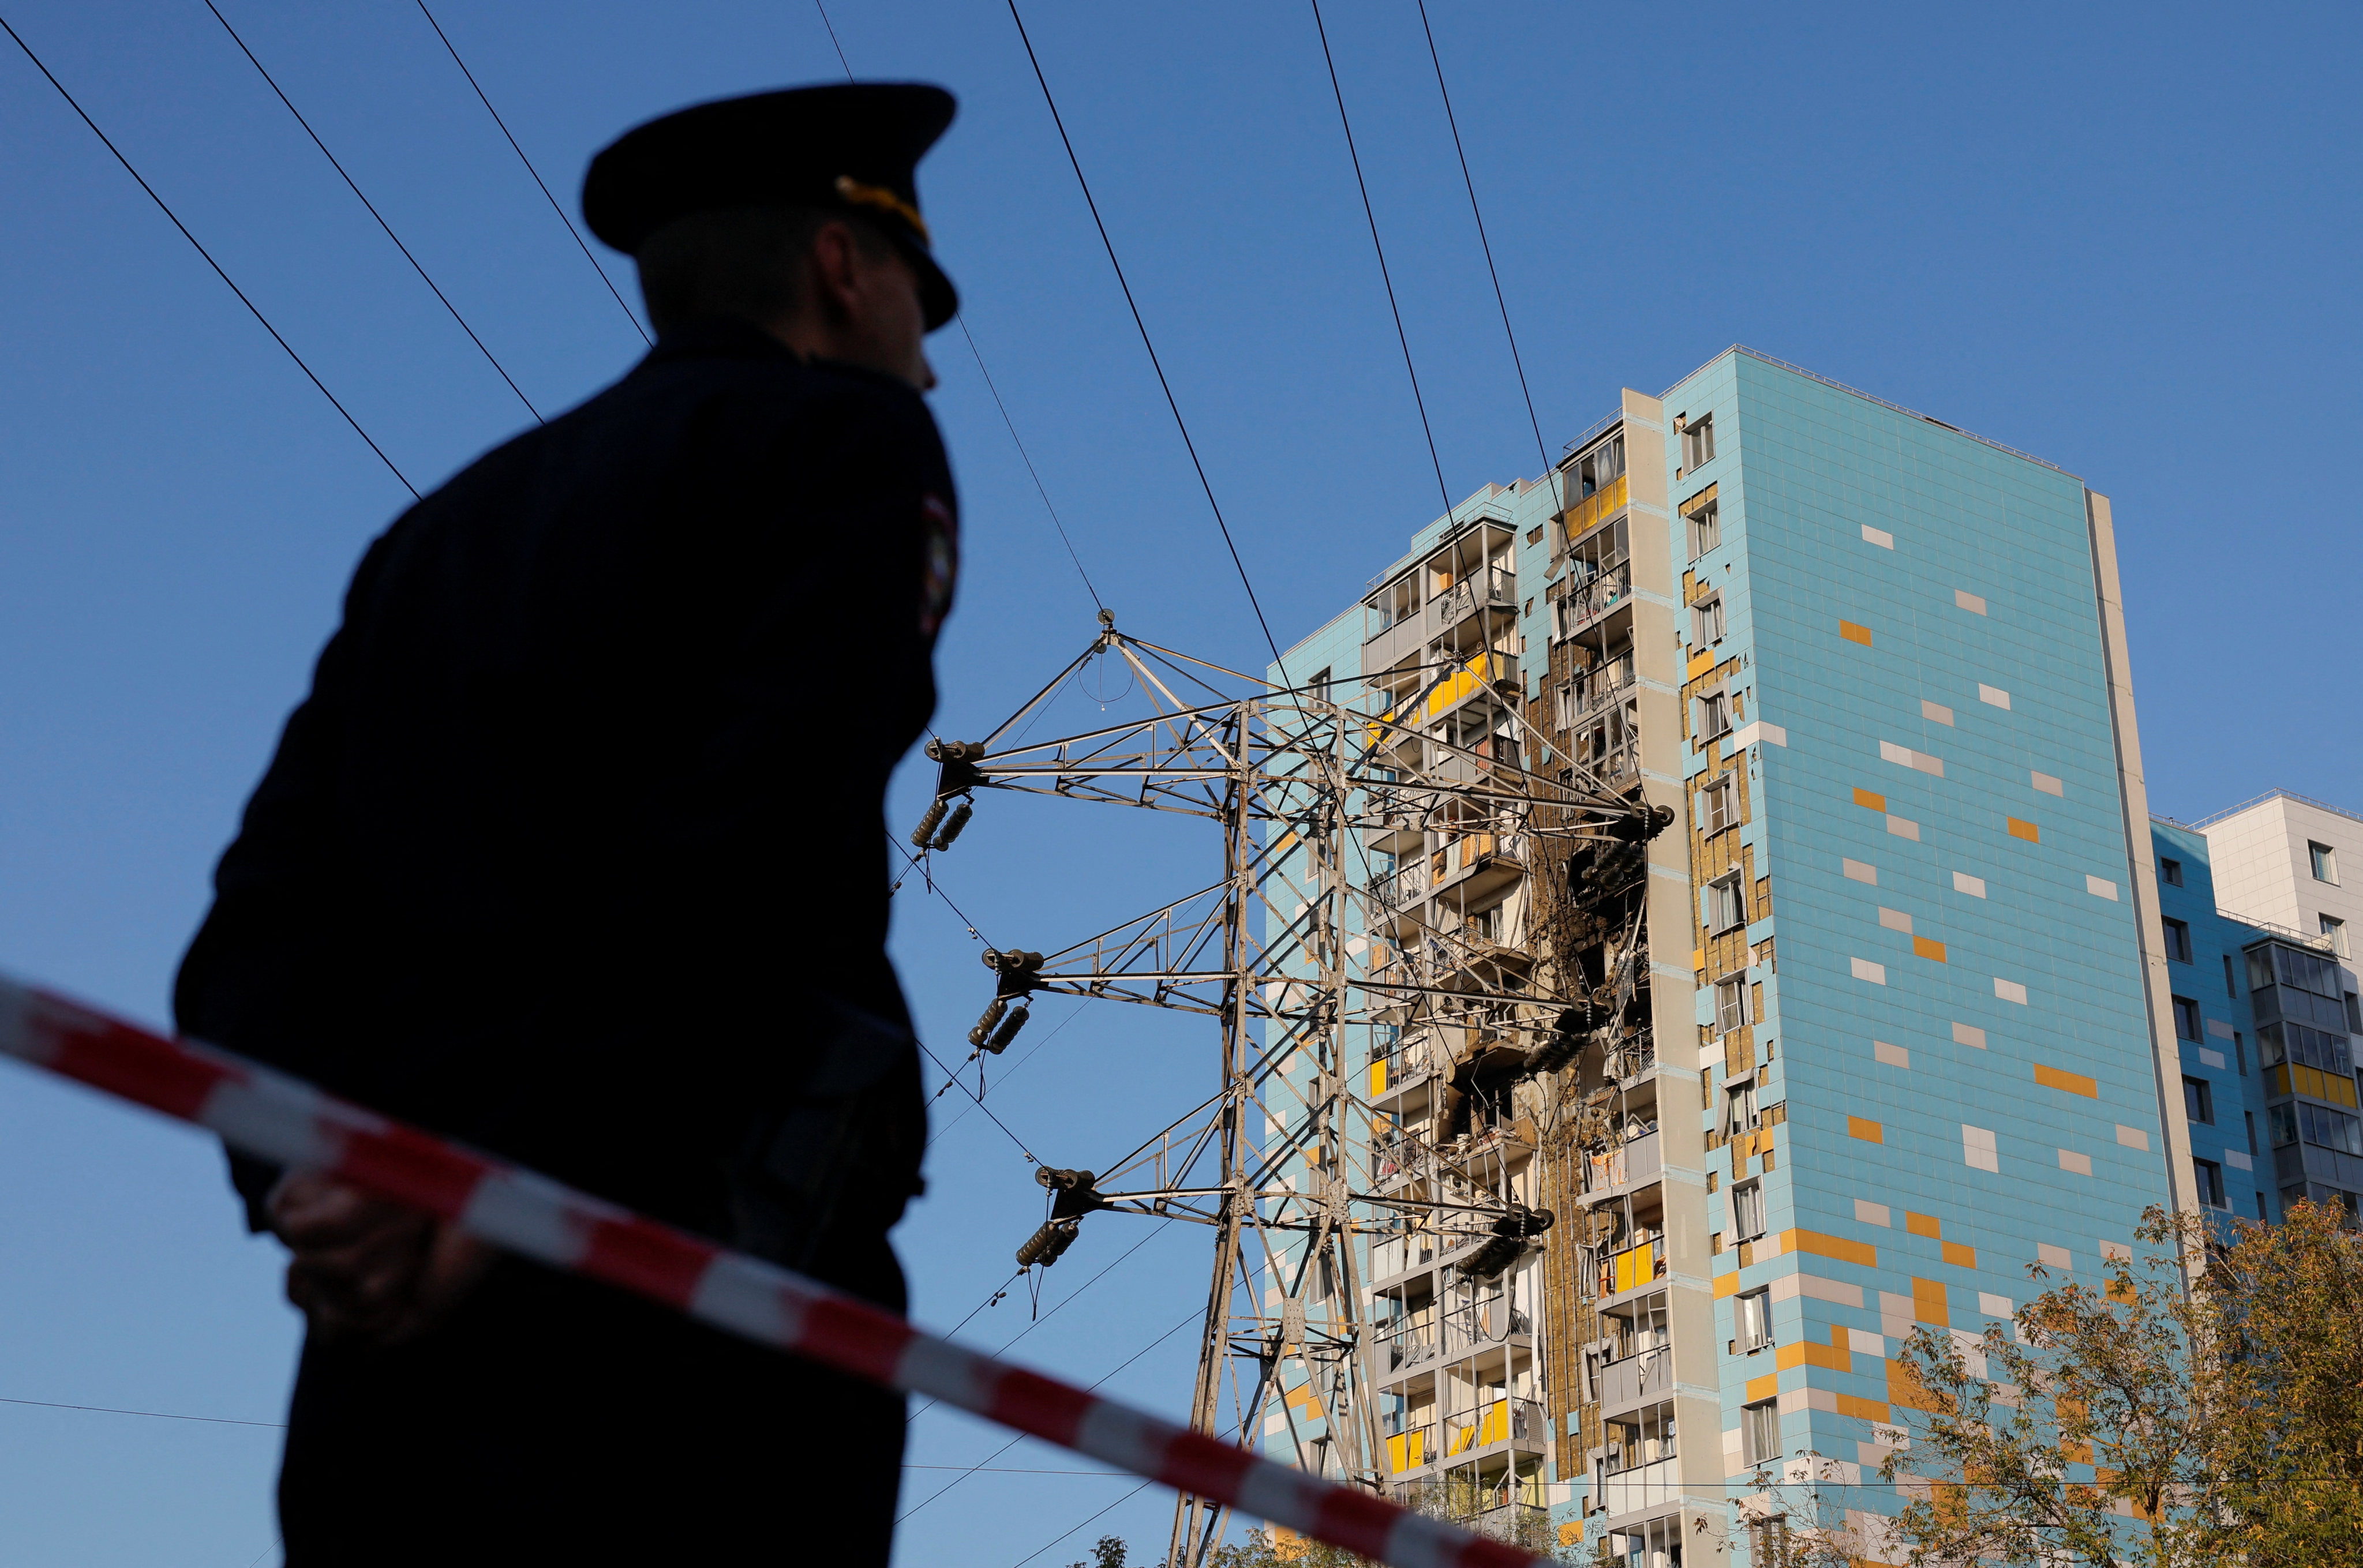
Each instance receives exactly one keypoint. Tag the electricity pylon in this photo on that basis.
(1277, 1161)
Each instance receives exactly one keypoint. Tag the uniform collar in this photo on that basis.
(729, 338)
(722, 337)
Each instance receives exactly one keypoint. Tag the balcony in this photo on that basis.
(1648, 1374)
(1497, 1323)
(1413, 1448)
(1598, 697)
(1627, 1164)
(1597, 508)
(1407, 1351)
(1492, 588)
(1644, 1486)
(1579, 607)
(1514, 1421)
(1400, 890)
(1611, 1274)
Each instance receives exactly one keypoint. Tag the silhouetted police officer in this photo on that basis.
(575, 852)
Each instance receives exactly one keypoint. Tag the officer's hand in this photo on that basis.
(366, 1269)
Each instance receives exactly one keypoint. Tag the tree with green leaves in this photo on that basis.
(2204, 1406)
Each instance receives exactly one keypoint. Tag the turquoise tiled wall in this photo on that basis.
(1835, 508)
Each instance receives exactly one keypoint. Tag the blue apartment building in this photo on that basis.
(1921, 998)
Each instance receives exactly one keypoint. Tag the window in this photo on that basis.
(2231, 986)
(1642, 1438)
(2178, 941)
(1321, 685)
(1713, 715)
(2186, 1018)
(1747, 1211)
(2316, 1124)
(1718, 806)
(1730, 1004)
(2240, 1051)
(2285, 1041)
(1698, 442)
(1705, 529)
(2262, 1218)
(1739, 1109)
(1599, 466)
(2336, 929)
(1725, 908)
(2250, 1118)
(2197, 1100)
(2211, 1183)
(2170, 871)
(1759, 1432)
(2325, 862)
(1754, 1317)
(1706, 621)
(1565, 709)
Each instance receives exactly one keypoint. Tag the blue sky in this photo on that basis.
(2120, 237)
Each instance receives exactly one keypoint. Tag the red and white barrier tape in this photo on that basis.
(272, 1116)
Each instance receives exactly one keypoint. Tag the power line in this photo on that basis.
(1046, 1546)
(978, 355)
(365, 201)
(1013, 1442)
(1028, 460)
(832, 38)
(1154, 364)
(1401, 336)
(535, 173)
(225, 276)
(1488, 245)
(157, 1415)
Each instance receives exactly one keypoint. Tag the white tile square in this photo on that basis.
(1859, 871)
(1965, 883)
(1893, 1055)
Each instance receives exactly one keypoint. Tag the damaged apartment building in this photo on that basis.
(1888, 1014)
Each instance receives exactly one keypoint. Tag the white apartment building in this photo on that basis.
(2284, 860)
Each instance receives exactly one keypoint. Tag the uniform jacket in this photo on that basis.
(575, 852)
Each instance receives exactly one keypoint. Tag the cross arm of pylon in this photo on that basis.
(278, 1118)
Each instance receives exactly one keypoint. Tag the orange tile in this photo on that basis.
(1868, 1132)
(1904, 1388)
(1928, 1302)
(2025, 830)
(1928, 947)
(1861, 1410)
(1763, 1387)
(1855, 634)
(1923, 1224)
(2073, 1083)
(1726, 1284)
(1960, 1256)
(1870, 800)
(1837, 1247)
